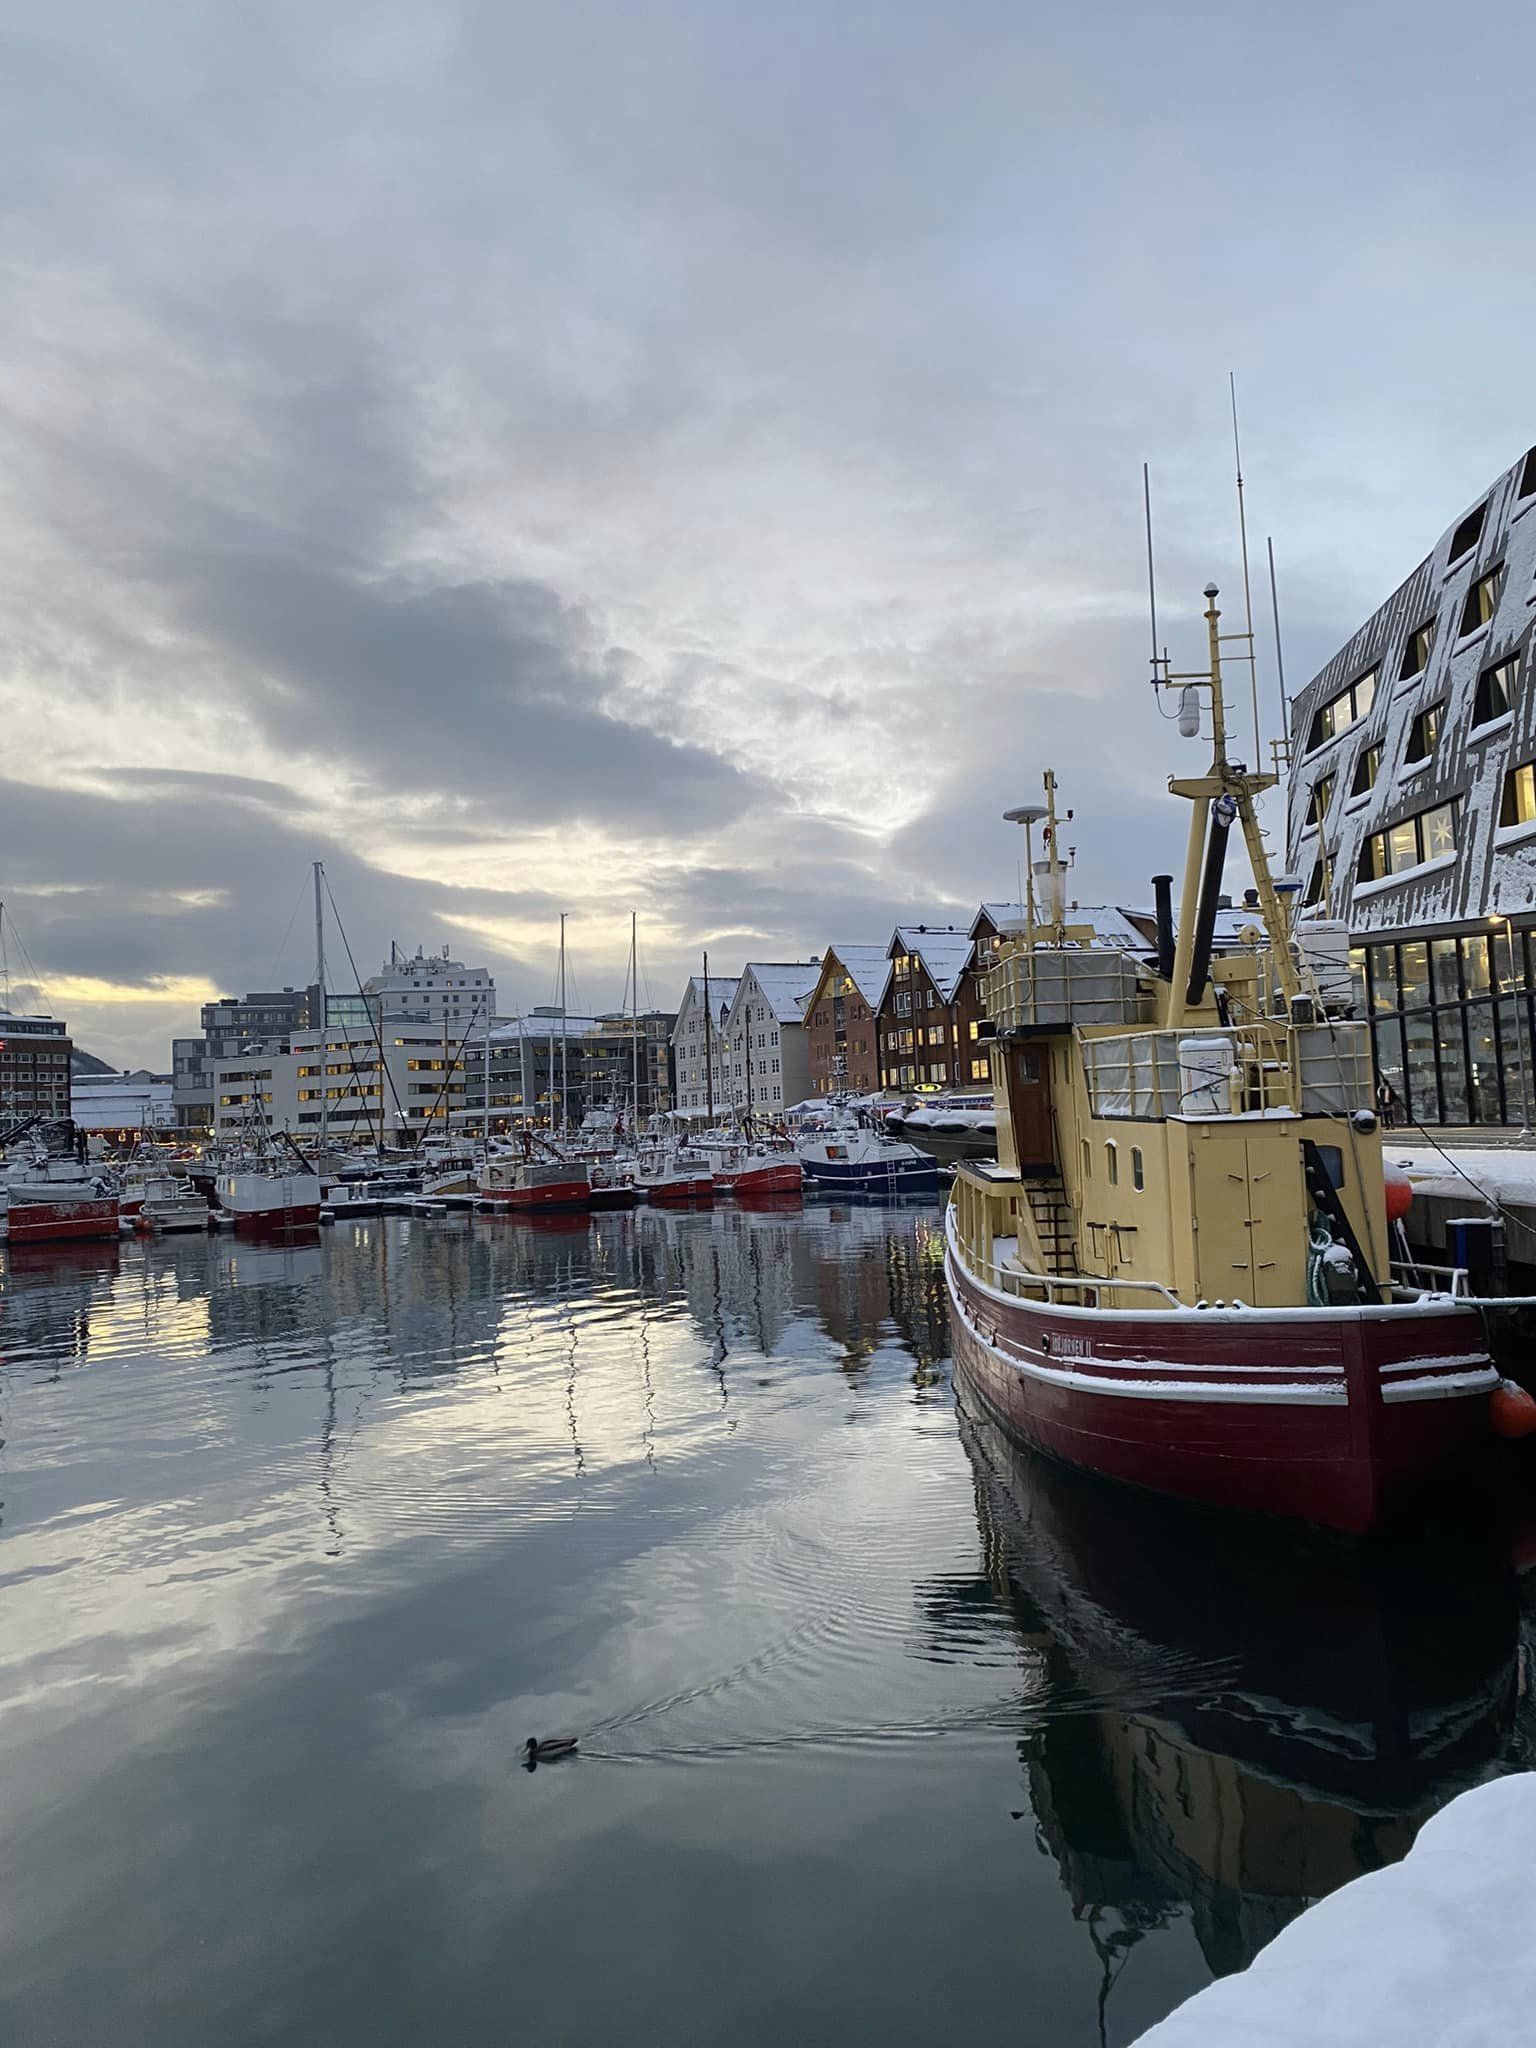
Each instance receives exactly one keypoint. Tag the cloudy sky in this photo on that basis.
(687, 458)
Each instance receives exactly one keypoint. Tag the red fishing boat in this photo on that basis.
(269, 1200)
(523, 1184)
(1177, 1271)
(751, 1172)
(46, 1199)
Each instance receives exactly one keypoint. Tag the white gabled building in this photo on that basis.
(696, 1048)
(767, 1052)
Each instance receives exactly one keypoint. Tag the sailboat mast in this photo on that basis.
(709, 1056)
(485, 1122)
(565, 1072)
(634, 1011)
(325, 1035)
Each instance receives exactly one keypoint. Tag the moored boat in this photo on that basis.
(169, 1203)
(848, 1155)
(48, 1197)
(1177, 1270)
(748, 1171)
(266, 1200)
(509, 1182)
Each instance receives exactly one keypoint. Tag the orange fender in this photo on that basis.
(1511, 1410)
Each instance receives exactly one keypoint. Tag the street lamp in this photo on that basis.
(1521, 995)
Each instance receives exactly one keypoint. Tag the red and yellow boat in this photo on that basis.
(1177, 1271)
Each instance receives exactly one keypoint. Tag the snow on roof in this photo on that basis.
(1111, 925)
(722, 993)
(867, 967)
(944, 949)
(784, 985)
(535, 1028)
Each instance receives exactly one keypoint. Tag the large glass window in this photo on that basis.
(1519, 805)
(1423, 1083)
(1452, 1027)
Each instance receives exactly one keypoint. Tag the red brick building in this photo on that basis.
(840, 1019)
(34, 1067)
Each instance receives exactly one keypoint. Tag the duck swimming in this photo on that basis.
(549, 1750)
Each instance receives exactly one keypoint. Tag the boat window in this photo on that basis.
(1332, 1157)
(1138, 1177)
(1112, 1162)
(1087, 1160)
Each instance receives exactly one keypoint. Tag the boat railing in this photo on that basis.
(1023, 1283)
(1409, 1278)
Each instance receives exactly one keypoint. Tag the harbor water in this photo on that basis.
(887, 1732)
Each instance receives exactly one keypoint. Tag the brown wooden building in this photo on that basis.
(840, 1016)
(931, 1020)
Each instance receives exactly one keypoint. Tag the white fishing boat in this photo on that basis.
(167, 1202)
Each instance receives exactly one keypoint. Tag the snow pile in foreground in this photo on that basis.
(1434, 1952)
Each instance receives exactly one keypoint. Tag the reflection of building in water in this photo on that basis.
(52, 1296)
(1263, 1721)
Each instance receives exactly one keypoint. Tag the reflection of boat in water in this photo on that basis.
(1263, 1720)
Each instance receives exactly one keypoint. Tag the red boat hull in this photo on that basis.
(277, 1222)
(1338, 1419)
(56, 1222)
(678, 1194)
(755, 1181)
(565, 1194)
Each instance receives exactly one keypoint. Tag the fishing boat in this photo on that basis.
(848, 1155)
(265, 1198)
(1177, 1270)
(671, 1174)
(48, 1194)
(749, 1170)
(507, 1181)
(167, 1202)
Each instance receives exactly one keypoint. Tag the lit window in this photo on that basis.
(1343, 711)
(1366, 769)
(1429, 836)
(1482, 600)
(1495, 692)
(1322, 796)
(1519, 805)
(1423, 733)
(1416, 651)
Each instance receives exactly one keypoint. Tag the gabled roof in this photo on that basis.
(783, 984)
(944, 949)
(722, 993)
(999, 915)
(867, 967)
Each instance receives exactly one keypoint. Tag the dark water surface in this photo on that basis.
(887, 1735)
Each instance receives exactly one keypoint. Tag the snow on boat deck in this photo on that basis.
(1503, 1175)
(1432, 1952)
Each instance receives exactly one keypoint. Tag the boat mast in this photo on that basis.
(325, 1035)
(565, 1072)
(709, 1057)
(485, 1122)
(1233, 784)
(634, 1010)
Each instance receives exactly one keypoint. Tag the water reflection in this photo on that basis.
(1279, 1716)
(302, 1541)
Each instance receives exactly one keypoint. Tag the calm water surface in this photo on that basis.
(887, 1735)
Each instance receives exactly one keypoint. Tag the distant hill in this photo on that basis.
(87, 1063)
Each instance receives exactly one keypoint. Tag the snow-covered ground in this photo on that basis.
(1506, 1176)
(1433, 1952)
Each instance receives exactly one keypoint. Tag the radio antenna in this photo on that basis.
(1242, 527)
(1146, 492)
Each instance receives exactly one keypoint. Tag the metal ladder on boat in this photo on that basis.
(1052, 1218)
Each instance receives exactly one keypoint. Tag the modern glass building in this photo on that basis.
(1412, 815)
